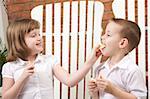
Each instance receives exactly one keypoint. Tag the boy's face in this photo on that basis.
(111, 39)
(34, 41)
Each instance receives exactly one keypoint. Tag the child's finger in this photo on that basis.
(93, 80)
(101, 76)
(98, 52)
(30, 68)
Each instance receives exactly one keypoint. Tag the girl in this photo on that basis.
(28, 74)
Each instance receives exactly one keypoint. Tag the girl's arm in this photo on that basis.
(11, 89)
(72, 79)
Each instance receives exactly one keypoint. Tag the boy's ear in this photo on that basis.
(123, 43)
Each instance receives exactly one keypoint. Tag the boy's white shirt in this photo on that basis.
(126, 75)
(40, 84)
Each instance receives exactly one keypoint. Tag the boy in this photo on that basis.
(119, 77)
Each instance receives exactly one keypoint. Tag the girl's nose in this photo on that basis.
(102, 38)
(39, 37)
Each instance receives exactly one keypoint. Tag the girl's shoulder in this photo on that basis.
(8, 67)
(48, 58)
(7, 64)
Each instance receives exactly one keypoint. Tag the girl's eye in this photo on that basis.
(33, 35)
(108, 35)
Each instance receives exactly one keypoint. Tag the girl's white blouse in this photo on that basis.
(40, 84)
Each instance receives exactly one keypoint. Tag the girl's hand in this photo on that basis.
(92, 86)
(28, 71)
(96, 52)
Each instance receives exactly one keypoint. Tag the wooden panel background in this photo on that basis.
(71, 28)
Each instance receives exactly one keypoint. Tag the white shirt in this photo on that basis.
(40, 84)
(126, 75)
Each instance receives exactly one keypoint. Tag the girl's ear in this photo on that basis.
(123, 43)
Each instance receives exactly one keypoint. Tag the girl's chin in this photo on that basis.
(39, 50)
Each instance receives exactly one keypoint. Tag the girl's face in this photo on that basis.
(34, 41)
(111, 39)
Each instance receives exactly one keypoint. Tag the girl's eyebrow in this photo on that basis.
(32, 32)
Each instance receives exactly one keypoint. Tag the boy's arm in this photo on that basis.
(120, 94)
(107, 86)
(72, 79)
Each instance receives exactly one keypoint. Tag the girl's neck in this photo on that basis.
(31, 58)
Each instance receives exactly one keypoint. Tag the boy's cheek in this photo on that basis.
(105, 52)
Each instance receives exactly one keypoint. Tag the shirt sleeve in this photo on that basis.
(7, 70)
(55, 61)
(136, 84)
(52, 60)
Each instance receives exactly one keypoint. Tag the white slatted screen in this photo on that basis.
(77, 28)
(75, 33)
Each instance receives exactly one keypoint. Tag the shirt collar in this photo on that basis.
(23, 63)
(123, 64)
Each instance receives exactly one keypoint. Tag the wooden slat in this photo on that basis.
(119, 4)
(57, 42)
(141, 23)
(148, 27)
(81, 57)
(131, 16)
(65, 44)
(48, 29)
(74, 34)
(89, 35)
(37, 14)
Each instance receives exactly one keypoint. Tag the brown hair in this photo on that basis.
(15, 36)
(130, 30)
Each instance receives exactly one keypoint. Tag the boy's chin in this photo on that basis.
(105, 54)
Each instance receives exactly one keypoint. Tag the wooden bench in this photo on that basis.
(70, 30)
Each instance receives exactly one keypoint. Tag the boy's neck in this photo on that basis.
(115, 59)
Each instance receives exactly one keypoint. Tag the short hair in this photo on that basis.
(130, 30)
(15, 36)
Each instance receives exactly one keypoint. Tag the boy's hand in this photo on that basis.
(103, 84)
(92, 86)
